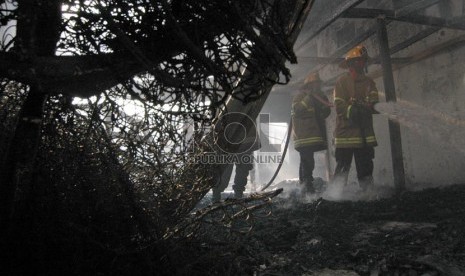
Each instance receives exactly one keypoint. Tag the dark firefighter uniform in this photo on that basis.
(243, 156)
(354, 97)
(309, 111)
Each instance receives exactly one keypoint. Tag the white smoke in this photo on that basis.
(439, 128)
(333, 191)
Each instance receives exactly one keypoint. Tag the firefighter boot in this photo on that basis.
(307, 186)
(239, 187)
(238, 194)
(367, 185)
(216, 195)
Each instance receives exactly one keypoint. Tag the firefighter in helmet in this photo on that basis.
(355, 95)
(310, 108)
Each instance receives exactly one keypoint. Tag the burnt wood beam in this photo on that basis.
(398, 62)
(334, 58)
(398, 47)
(324, 19)
(445, 47)
(430, 52)
(323, 14)
(454, 23)
(336, 55)
(413, 7)
(415, 38)
(390, 91)
(374, 13)
(69, 75)
(357, 40)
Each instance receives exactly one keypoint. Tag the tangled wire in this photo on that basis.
(124, 152)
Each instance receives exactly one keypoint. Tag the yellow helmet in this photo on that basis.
(357, 52)
(312, 77)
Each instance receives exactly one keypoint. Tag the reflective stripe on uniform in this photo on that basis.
(354, 140)
(308, 141)
(304, 104)
(373, 96)
(309, 109)
(349, 109)
(339, 99)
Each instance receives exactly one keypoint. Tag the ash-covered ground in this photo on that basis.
(414, 233)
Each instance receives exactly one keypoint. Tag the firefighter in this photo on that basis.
(355, 95)
(242, 157)
(310, 108)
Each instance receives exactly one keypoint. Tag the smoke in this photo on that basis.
(443, 131)
(335, 190)
(439, 128)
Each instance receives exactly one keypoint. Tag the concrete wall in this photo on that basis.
(436, 87)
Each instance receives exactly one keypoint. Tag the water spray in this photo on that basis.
(440, 128)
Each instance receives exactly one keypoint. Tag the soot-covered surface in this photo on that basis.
(416, 233)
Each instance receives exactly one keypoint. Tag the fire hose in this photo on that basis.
(286, 145)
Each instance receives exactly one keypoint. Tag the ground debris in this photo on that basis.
(417, 233)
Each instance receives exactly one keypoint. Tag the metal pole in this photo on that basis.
(390, 90)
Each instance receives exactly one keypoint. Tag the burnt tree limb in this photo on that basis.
(81, 76)
(17, 177)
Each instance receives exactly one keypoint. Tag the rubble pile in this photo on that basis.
(416, 233)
